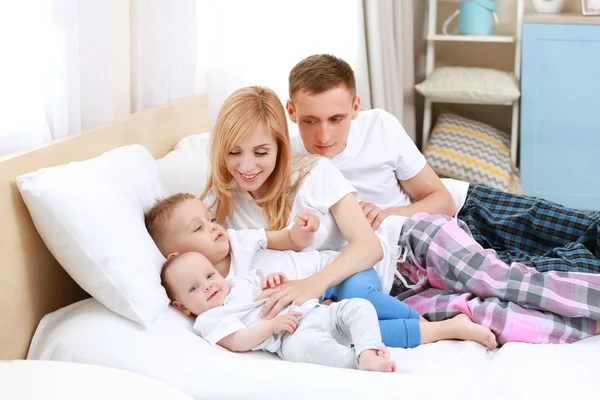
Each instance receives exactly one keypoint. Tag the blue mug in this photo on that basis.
(475, 17)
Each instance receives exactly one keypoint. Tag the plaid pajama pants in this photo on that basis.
(454, 274)
(533, 231)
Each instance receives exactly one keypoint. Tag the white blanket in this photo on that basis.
(170, 351)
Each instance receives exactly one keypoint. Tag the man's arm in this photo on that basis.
(429, 195)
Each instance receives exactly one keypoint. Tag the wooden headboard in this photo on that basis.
(32, 283)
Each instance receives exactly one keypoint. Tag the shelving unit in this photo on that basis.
(433, 37)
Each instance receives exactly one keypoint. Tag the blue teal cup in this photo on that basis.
(476, 17)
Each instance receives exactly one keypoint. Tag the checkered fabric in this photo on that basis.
(533, 231)
(456, 275)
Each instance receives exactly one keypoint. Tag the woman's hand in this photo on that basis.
(293, 292)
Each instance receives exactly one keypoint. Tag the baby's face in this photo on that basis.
(195, 284)
(192, 228)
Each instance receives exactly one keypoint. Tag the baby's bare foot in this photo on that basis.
(376, 360)
(468, 330)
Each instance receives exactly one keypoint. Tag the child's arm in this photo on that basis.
(249, 338)
(273, 280)
(299, 237)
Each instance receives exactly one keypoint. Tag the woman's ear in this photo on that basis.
(181, 307)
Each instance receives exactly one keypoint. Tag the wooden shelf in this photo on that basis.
(562, 18)
(472, 38)
(473, 101)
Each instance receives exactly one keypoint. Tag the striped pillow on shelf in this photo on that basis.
(469, 150)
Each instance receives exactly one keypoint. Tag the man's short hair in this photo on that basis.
(319, 73)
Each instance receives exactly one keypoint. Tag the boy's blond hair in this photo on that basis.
(239, 116)
(319, 73)
(157, 218)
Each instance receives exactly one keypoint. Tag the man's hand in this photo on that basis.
(304, 228)
(286, 323)
(273, 280)
(374, 214)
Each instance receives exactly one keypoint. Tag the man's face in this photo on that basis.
(324, 119)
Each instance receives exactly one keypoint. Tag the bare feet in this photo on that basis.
(460, 327)
(376, 360)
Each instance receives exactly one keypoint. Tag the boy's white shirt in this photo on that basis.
(240, 311)
(250, 255)
(378, 153)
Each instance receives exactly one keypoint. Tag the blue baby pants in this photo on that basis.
(399, 323)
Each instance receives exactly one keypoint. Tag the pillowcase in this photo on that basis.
(90, 215)
(470, 84)
(185, 168)
(469, 150)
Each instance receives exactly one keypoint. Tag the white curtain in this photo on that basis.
(166, 51)
(57, 71)
(390, 48)
(22, 118)
(258, 42)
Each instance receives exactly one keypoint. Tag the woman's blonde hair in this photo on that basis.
(239, 116)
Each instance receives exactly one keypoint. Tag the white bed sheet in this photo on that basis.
(170, 351)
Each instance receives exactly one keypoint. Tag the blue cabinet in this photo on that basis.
(560, 113)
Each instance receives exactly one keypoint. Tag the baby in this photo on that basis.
(227, 315)
(182, 224)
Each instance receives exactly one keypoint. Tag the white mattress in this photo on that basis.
(170, 351)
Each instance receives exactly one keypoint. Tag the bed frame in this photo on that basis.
(32, 283)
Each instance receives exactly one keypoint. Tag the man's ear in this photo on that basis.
(355, 107)
(181, 307)
(289, 106)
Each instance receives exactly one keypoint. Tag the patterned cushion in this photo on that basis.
(465, 149)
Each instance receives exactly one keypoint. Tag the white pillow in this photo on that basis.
(90, 215)
(470, 84)
(185, 168)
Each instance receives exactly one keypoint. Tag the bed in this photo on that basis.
(46, 316)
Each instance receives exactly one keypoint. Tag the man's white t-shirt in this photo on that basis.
(378, 154)
(240, 311)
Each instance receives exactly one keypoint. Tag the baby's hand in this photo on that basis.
(307, 221)
(286, 323)
(273, 280)
(303, 231)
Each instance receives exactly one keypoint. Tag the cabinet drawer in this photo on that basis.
(560, 120)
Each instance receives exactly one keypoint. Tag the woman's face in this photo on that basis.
(252, 161)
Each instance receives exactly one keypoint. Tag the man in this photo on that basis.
(392, 177)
